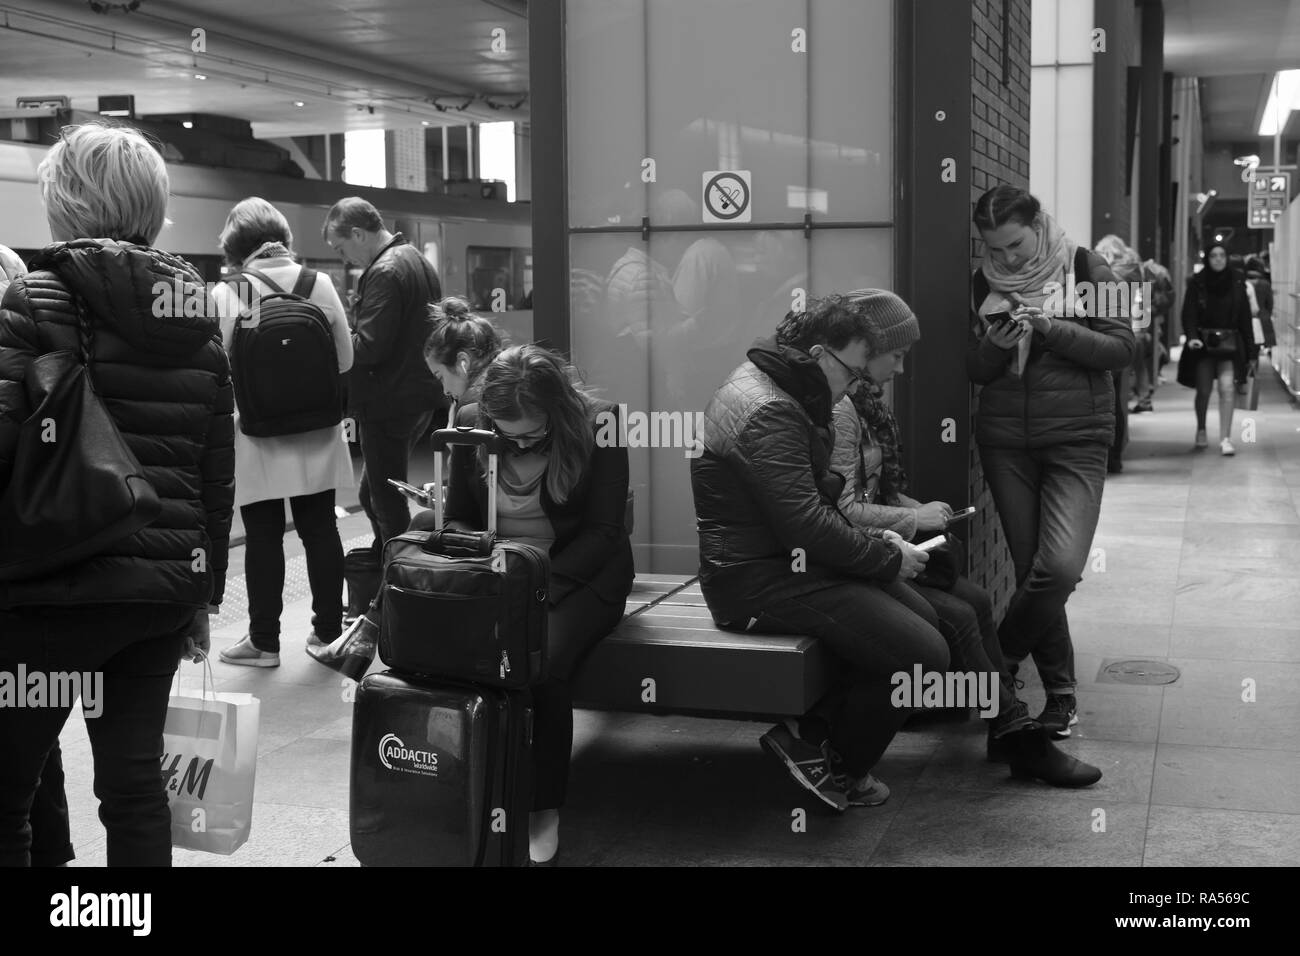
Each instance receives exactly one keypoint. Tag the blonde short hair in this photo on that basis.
(253, 222)
(104, 182)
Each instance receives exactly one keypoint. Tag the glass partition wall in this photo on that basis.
(671, 278)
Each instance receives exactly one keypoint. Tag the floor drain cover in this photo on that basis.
(1137, 672)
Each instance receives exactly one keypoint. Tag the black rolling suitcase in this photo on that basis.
(441, 773)
(441, 743)
(464, 605)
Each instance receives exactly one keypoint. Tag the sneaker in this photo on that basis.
(1225, 447)
(808, 765)
(1060, 714)
(1202, 439)
(1143, 406)
(867, 792)
(246, 654)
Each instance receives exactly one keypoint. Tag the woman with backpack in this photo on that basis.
(1046, 420)
(305, 466)
(1220, 341)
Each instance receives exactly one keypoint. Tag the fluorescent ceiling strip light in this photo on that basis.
(1283, 97)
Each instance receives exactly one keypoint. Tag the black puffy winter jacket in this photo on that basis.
(165, 380)
(1066, 393)
(763, 488)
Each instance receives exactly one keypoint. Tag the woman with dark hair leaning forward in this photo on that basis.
(867, 456)
(561, 491)
(1046, 420)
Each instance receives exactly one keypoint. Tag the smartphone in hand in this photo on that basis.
(415, 494)
(961, 515)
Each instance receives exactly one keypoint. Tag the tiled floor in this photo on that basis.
(1194, 563)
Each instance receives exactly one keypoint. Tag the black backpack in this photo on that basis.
(283, 361)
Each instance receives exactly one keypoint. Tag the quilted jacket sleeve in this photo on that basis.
(217, 467)
(1102, 342)
(18, 345)
(844, 461)
(774, 460)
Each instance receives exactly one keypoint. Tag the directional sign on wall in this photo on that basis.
(727, 196)
(1270, 194)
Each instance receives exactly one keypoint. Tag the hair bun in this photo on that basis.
(455, 307)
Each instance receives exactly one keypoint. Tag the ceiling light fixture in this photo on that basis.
(200, 76)
(1283, 97)
(299, 103)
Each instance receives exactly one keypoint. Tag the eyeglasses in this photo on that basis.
(538, 439)
(859, 375)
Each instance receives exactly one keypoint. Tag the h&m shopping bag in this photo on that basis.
(209, 764)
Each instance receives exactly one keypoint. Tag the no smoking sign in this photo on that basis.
(727, 196)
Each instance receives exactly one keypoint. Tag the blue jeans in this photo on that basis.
(965, 614)
(877, 631)
(1049, 500)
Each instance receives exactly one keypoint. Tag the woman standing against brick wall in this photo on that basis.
(1045, 422)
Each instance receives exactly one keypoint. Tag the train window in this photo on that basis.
(500, 277)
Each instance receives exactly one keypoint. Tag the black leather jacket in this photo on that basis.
(165, 380)
(763, 488)
(390, 324)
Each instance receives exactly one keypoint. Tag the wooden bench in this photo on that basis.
(668, 638)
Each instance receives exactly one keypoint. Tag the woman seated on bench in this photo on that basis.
(559, 490)
(866, 456)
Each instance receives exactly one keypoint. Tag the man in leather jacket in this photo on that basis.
(776, 555)
(392, 395)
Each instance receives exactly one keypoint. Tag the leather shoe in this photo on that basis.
(1033, 755)
(353, 652)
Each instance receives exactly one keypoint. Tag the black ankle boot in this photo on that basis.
(1033, 755)
(1001, 728)
(353, 652)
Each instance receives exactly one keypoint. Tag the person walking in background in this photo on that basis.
(1150, 352)
(1258, 279)
(392, 395)
(1220, 341)
(305, 467)
(131, 611)
(1127, 267)
(1045, 422)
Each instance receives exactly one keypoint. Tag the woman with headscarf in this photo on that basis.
(1220, 341)
(1046, 419)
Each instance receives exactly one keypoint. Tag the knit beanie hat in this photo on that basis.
(892, 323)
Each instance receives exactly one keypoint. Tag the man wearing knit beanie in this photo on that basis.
(892, 323)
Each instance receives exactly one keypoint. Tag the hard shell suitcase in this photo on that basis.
(465, 605)
(441, 773)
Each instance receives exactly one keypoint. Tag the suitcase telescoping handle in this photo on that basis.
(445, 438)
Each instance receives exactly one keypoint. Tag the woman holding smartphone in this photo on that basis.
(866, 455)
(1046, 419)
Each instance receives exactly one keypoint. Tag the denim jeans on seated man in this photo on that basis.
(877, 630)
(1049, 501)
